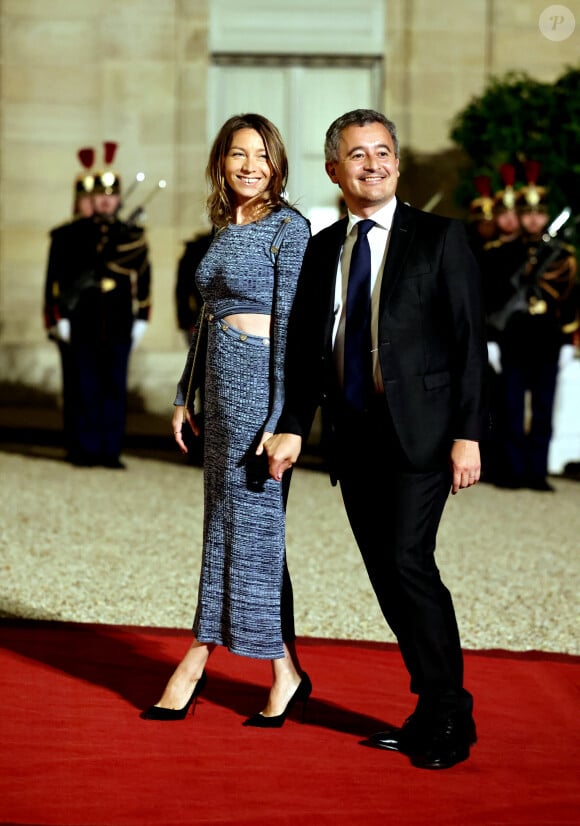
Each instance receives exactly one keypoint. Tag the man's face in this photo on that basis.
(508, 221)
(533, 222)
(84, 206)
(367, 170)
(105, 204)
(485, 229)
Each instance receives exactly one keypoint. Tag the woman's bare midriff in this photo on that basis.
(254, 324)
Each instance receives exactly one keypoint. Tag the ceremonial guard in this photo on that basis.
(532, 304)
(482, 232)
(97, 302)
(481, 225)
(187, 297)
(82, 207)
(84, 183)
(504, 205)
(188, 303)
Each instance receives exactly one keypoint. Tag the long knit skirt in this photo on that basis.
(243, 570)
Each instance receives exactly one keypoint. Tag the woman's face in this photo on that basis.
(247, 170)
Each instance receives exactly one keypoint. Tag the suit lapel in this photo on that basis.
(329, 268)
(337, 233)
(402, 233)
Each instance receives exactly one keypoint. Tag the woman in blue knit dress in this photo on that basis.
(247, 279)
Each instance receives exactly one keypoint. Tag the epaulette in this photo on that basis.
(493, 245)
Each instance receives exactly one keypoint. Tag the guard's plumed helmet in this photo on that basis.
(107, 181)
(532, 198)
(481, 208)
(505, 198)
(85, 181)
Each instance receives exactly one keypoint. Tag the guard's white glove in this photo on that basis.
(138, 331)
(494, 356)
(63, 329)
(567, 352)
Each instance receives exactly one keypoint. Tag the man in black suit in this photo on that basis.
(411, 435)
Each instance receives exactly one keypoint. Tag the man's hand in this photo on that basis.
(283, 451)
(465, 464)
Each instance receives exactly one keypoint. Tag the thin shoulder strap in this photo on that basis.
(195, 357)
(278, 238)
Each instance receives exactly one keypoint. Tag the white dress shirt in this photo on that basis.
(379, 237)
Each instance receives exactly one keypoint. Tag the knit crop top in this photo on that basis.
(254, 268)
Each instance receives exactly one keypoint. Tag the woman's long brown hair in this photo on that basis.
(219, 202)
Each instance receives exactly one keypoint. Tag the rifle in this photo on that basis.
(139, 178)
(547, 253)
(70, 297)
(139, 210)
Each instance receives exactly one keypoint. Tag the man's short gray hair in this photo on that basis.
(358, 117)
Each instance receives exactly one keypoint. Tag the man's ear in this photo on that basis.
(329, 166)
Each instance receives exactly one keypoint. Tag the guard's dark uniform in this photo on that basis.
(532, 305)
(188, 300)
(82, 207)
(99, 277)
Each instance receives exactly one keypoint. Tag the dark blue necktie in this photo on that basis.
(357, 331)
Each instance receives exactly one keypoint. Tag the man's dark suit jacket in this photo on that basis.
(431, 340)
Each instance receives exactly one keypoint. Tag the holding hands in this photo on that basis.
(283, 450)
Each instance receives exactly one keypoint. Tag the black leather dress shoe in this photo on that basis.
(411, 737)
(113, 463)
(449, 743)
(430, 743)
(510, 482)
(80, 459)
(541, 484)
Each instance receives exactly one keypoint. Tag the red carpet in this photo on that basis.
(74, 751)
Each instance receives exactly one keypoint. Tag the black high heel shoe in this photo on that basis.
(301, 695)
(160, 713)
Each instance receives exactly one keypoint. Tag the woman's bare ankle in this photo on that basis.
(182, 682)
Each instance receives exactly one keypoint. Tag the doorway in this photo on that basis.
(302, 96)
